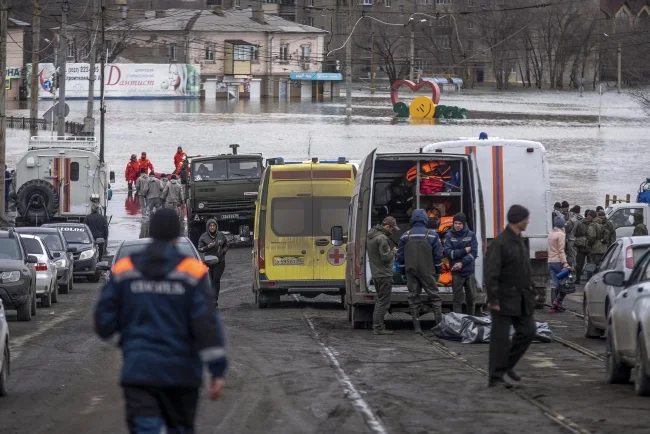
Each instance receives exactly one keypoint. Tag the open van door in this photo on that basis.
(480, 221)
(363, 185)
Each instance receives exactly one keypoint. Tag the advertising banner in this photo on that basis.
(124, 80)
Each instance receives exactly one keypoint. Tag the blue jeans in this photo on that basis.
(554, 268)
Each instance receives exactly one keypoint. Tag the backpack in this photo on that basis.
(594, 232)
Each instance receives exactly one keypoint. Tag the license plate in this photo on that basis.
(289, 261)
(228, 216)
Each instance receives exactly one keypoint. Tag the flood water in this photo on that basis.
(585, 161)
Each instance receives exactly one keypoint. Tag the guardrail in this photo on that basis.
(74, 128)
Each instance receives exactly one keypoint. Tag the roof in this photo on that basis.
(237, 42)
(611, 7)
(229, 21)
(17, 23)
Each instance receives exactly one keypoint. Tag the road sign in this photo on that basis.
(55, 110)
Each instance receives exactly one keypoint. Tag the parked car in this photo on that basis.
(628, 331)
(5, 355)
(47, 290)
(62, 252)
(78, 235)
(17, 276)
(598, 296)
(127, 248)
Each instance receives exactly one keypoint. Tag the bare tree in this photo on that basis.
(391, 49)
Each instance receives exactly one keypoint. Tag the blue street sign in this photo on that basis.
(316, 76)
(47, 85)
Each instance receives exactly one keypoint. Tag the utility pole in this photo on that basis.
(102, 67)
(348, 65)
(63, 54)
(89, 124)
(33, 99)
(618, 80)
(372, 65)
(3, 100)
(412, 54)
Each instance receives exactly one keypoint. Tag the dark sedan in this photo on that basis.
(62, 252)
(78, 235)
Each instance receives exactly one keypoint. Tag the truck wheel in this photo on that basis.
(55, 293)
(33, 303)
(25, 311)
(349, 313)
(37, 199)
(259, 301)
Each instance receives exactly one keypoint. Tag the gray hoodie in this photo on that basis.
(173, 192)
(142, 185)
(155, 188)
(221, 243)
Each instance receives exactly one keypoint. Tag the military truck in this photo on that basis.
(223, 187)
(57, 179)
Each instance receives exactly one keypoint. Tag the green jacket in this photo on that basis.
(508, 275)
(640, 230)
(380, 252)
(597, 238)
(609, 233)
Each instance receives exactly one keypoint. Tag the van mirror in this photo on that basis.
(111, 177)
(336, 234)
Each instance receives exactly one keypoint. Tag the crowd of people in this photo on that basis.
(136, 165)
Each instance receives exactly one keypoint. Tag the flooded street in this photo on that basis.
(586, 162)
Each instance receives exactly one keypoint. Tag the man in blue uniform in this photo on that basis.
(158, 305)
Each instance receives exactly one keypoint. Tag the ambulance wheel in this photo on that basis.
(260, 302)
(37, 199)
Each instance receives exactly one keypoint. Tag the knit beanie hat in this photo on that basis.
(517, 213)
(164, 225)
(460, 217)
(559, 222)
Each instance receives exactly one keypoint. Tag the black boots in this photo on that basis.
(415, 313)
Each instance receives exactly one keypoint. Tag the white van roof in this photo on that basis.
(484, 143)
(81, 143)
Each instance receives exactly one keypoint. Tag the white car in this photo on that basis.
(628, 331)
(4, 352)
(47, 288)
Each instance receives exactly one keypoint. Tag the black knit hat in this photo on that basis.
(164, 225)
(575, 209)
(517, 214)
(557, 205)
(460, 217)
(565, 204)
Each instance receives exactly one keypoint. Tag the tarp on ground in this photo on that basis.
(473, 330)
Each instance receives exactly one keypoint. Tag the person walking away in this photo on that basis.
(98, 226)
(214, 243)
(132, 171)
(157, 306)
(609, 233)
(570, 230)
(583, 247)
(419, 256)
(640, 228)
(461, 247)
(381, 255)
(178, 156)
(144, 163)
(511, 297)
(141, 189)
(557, 260)
(154, 193)
(173, 195)
(597, 246)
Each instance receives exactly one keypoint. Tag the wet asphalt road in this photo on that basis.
(300, 368)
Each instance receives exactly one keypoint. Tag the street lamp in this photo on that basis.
(618, 75)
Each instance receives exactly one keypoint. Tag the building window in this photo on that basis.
(443, 2)
(425, 2)
(305, 52)
(70, 47)
(284, 52)
(215, 3)
(470, 25)
(310, 3)
(172, 52)
(470, 3)
(367, 2)
(210, 51)
(310, 21)
(237, 3)
(255, 53)
(388, 3)
(442, 42)
(242, 52)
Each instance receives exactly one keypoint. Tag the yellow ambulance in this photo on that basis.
(297, 205)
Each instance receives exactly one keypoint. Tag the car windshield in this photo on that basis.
(32, 246)
(75, 234)
(9, 249)
(184, 248)
(52, 241)
(224, 169)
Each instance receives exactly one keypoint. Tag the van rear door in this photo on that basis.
(332, 186)
(289, 243)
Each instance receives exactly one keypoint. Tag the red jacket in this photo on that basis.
(178, 157)
(144, 163)
(132, 171)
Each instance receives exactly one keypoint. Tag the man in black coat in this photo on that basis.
(511, 297)
(98, 227)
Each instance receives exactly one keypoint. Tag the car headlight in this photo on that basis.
(87, 254)
(61, 263)
(10, 276)
(201, 205)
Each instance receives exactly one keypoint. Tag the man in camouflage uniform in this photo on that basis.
(570, 229)
(595, 239)
(609, 233)
(583, 247)
(640, 229)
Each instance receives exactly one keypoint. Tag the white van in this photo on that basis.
(488, 176)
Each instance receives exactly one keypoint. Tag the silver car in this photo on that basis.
(598, 296)
(47, 288)
(4, 352)
(628, 332)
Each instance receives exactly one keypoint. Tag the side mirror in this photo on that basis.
(56, 254)
(103, 266)
(336, 234)
(111, 177)
(31, 259)
(72, 250)
(100, 241)
(614, 278)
